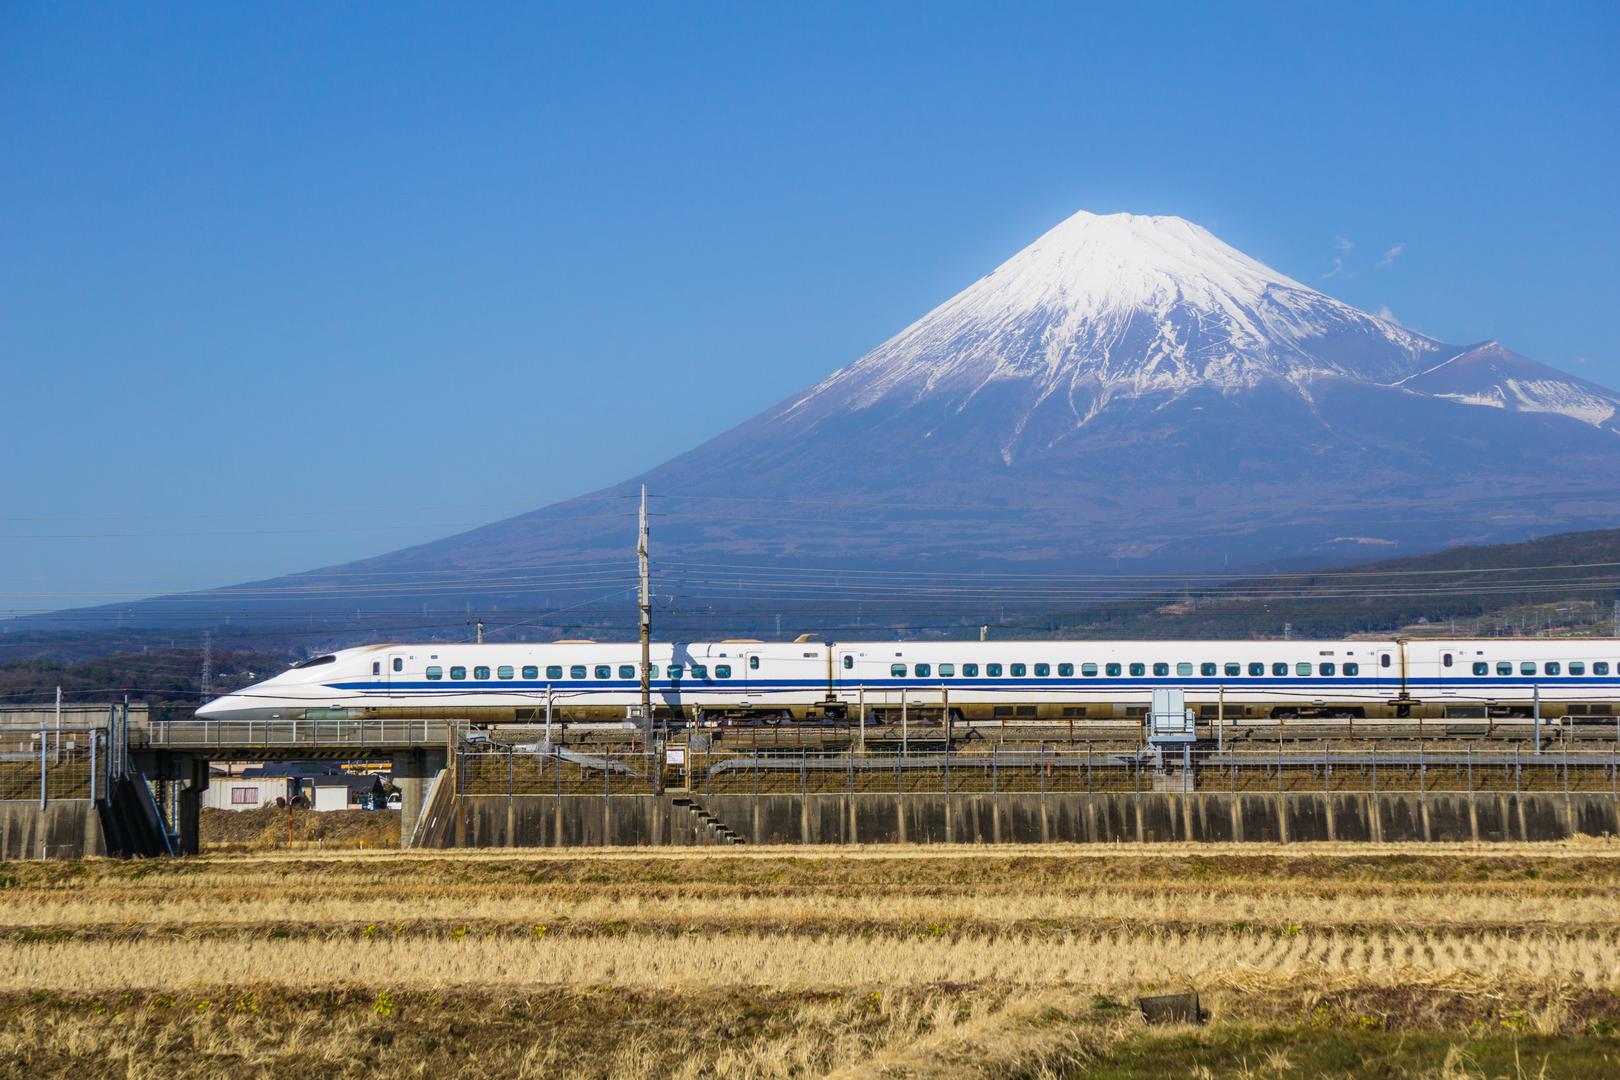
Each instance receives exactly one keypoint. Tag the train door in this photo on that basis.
(754, 674)
(1388, 665)
(394, 669)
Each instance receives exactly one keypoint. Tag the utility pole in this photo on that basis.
(208, 666)
(1617, 614)
(1288, 631)
(478, 631)
(642, 537)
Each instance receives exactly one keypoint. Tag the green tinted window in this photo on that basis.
(1138, 669)
(1112, 669)
(553, 671)
(993, 670)
(627, 671)
(1018, 671)
(1043, 670)
(480, 672)
(531, 672)
(924, 670)
(435, 672)
(897, 671)
(458, 673)
(577, 671)
(970, 671)
(506, 671)
(722, 671)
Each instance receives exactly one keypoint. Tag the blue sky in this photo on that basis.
(287, 285)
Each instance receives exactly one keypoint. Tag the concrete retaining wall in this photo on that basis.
(583, 821)
(63, 830)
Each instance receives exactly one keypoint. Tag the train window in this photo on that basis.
(1383, 661)
(849, 661)
(1184, 669)
(376, 667)
(1019, 671)
(1325, 669)
(1352, 668)
(1206, 669)
(604, 671)
(1600, 667)
(1527, 667)
(1504, 667)
(1066, 671)
(554, 671)
(970, 671)
(505, 671)
(530, 671)
(675, 672)
(1554, 668)
(722, 671)
(1279, 669)
(652, 671)
(947, 670)
(1445, 659)
(1138, 669)
(1481, 668)
(1577, 667)
(1302, 669)
(924, 670)
(1257, 669)
(435, 673)
(399, 664)
(1161, 669)
(1088, 670)
(1234, 668)
(1043, 670)
(329, 658)
(576, 671)
(458, 673)
(993, 670)
(700, 671)
(627, 671)
(1113, 670)
(480, 672)
(897, 671)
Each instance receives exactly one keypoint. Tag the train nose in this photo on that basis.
(220, 708)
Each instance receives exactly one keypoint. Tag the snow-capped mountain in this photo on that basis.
(1121, 306)
(1127, 393)
(1491, 376)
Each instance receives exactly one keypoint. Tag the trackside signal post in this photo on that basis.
(646, 637)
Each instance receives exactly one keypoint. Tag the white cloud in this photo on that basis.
(1338, 267)
(1392, 254)
(1344, 245)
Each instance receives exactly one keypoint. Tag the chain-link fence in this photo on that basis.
(997, 771)
(46, 765)
(555, 771)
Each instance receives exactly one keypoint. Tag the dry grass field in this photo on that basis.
(1333, 960)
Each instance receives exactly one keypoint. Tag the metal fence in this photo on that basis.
(46, 765)
(1054, 771)
(561, 771)
(556, 771)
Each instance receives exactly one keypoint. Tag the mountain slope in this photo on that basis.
(1125, 393)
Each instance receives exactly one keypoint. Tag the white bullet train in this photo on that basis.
(974, 680)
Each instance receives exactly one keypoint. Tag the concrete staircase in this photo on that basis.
(719, 832)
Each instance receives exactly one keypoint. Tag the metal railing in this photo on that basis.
(316, 734)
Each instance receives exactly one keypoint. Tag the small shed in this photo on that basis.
(341, 791)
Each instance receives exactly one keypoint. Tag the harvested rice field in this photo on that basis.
(1331, 960)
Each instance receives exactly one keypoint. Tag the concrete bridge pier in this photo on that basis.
(414, 771)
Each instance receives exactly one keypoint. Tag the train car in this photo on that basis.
(971, 681)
